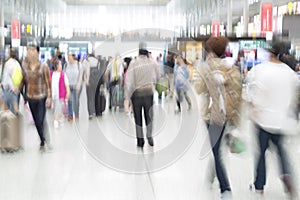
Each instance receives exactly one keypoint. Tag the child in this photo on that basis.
(60, 91)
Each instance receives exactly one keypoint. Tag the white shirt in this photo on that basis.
(55, 84)
(273, 92)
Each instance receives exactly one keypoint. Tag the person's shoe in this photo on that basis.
(42, 148)
(190, 107)
(76, 117)
(140, 142)
(227, 195)
(177, 111)
(70, 119)
(90, 117)
(252, 189)
(150, 141)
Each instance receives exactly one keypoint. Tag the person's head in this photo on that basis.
(216, 45)
(143, 49)
(57, 65)
(71, 57)
(13, 53)
(180, 60)
(33, 52)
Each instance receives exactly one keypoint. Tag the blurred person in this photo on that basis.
(92, 76)
(11, 80)
(114, 75)
(74, 72)
(181, 79)
(272, 110)
(127, 102)
(139, 87)
(38, 93)
(169, 69)
(220, 84)
(60, 91)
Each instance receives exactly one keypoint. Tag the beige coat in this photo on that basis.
(206, 84)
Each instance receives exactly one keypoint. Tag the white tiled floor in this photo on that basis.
(96, 159)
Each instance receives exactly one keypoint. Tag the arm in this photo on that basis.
(67, 87)
(47, 81)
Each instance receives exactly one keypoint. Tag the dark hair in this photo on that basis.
(56, 63)
(217, 45)
(13, 53)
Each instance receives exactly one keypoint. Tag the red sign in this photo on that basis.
(266, 16)
(215, 28)
(15, 29)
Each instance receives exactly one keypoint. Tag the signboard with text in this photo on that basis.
(215, 28)
(266, 16)
(15, 33)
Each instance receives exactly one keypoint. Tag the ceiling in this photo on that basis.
(206, 9)
(118, 2)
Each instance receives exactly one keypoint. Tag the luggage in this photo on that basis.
(118, 97)
(162, 85)
(10, 131)
(100, 101)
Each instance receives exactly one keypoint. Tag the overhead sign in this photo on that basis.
(15, 33)
(215, 28)
(266, 16)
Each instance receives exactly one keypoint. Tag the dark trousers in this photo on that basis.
(216, 134)
(143, 103)
(91, 89)
(38, 110)
(263, 138)
(112, 85)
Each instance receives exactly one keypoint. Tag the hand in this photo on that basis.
(48, 103)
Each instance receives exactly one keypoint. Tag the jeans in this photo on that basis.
(179, 98)
(215, 134)
(11, 100)
(263, 138)
(139, 103)
(38, 110)
(73, 103)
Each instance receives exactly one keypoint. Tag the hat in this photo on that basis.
(217, 45)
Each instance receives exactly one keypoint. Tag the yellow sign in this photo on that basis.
(28, 28)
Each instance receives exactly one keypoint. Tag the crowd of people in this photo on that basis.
(273, 105)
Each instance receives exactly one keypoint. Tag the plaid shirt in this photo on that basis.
(37, 82)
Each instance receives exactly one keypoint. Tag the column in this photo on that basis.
(246, 17)
(229, 17)
(2, 41)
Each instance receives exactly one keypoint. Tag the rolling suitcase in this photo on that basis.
(10, 131)
(101, 102)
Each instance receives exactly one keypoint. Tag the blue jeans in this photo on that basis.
(215, 135)
(11, 99)
(263, 138)
(73, 103)
(38, 110)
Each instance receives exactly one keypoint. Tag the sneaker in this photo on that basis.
(70, 119)
(76, 116)
(56, 124)
(227, 195)
(90, 117)
(150, 141)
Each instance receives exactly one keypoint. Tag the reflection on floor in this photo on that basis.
(98, 159)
